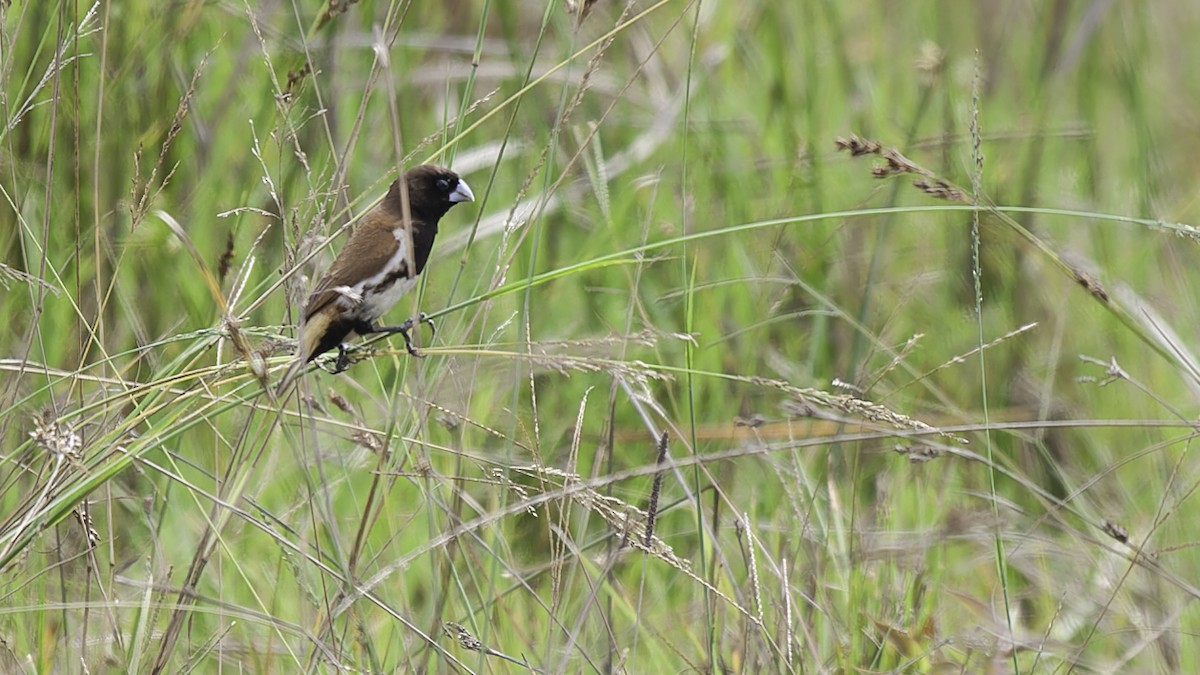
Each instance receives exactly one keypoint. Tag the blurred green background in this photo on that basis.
(901, 434)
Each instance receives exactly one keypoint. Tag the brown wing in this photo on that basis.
(367, 251)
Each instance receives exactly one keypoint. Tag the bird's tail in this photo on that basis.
(309, 333)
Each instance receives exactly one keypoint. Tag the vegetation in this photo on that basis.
(782, 337)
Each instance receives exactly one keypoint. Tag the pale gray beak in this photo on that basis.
(462, 193)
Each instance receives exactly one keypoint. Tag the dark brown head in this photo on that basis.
(432, 190)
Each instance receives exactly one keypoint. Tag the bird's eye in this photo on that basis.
(443, 185)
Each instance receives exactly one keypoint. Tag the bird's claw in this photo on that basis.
(405, 327)
(343, 360)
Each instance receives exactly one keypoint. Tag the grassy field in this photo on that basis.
(782, 337)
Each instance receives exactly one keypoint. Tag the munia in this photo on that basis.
(376, 268)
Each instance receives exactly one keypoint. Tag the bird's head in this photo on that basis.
(432, 190)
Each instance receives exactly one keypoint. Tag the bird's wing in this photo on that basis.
(361, 258)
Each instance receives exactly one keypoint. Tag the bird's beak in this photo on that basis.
(462, 193)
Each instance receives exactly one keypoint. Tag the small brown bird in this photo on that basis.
(375, 268)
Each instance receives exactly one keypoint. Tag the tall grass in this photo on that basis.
(927, 391)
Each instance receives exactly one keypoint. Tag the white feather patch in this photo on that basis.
(376, 304)
(350, 296)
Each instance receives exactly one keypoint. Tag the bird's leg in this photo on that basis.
(343, 360)
(403, 329)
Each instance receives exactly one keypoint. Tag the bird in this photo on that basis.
(376, 268)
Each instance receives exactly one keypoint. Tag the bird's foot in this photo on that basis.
(341, 364)
(404, 328)
(343, 359)
(408, 325)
